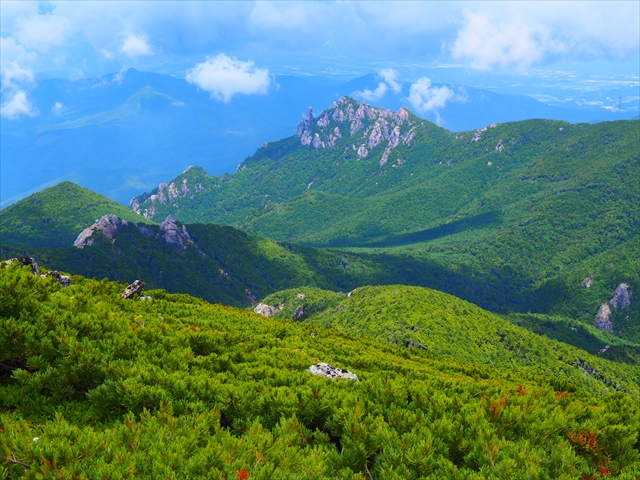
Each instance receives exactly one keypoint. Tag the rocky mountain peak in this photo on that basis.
(364, 126)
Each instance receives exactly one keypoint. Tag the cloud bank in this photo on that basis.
(223, 77)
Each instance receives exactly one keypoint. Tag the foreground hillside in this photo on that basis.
(453, 328)
(93, 385)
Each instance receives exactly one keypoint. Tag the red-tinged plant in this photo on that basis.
(243, 474)
(604, 472)
(521, 391)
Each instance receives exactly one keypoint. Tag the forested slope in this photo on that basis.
(92, 385)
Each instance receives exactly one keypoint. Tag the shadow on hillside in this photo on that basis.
(470, 223)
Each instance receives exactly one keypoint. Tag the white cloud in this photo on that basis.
(369, 95)
(425, 98)
(15, 77)
(135, 46)
(17, 106)
(522, 34)
(14, 53)
(58, 108)
(41, 32)
(223, 77)
(388, 75)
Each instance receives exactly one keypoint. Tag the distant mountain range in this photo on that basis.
(124, 133)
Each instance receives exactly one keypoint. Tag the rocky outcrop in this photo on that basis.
(298, 313)
(64, 280)
(167, 193)
(175, 235)
(371, 126)
(266, 310)
(135, 288)
(26, 261)
(603, 318)
(107, 224)
(621, 297)
(306, 122)
(499, 146)
(588, 280)
(326, 370)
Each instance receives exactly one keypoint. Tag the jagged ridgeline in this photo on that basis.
(94, 385)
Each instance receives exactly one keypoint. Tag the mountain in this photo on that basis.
(534, 206)
(55, 216)
(92, 384)
(126, 132)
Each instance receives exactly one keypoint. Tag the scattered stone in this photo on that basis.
(313, 334)
(588, 280)
(300, 296)
(133, 289)
(605, 349)
(266, 310)
(326, 370)
(147, 298)
(499, 146)
(621, 296)
(298, 313)
(603, 321)
(107, 224)
(64, 280)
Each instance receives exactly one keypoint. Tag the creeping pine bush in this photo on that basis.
(94, 386)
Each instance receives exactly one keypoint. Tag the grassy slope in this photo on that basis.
(179, 388)
(447, 326)
(55, 217)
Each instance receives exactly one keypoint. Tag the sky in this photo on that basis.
(554, 51)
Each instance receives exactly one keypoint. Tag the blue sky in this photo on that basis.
(557, 50)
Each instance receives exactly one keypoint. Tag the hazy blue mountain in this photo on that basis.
(124, 133)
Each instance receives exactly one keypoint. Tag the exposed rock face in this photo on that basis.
(499, 146)
(266, 310)
(362, 151)
(107, 224)
(306, 122)
(621, 297)
(167, 193)
(588, 280)
(376, 125)
(298, 313)
(603, 321)
(173, 234)
(133, 289)
(64, 280)
(326, 370)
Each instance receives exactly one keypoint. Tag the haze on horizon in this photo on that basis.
(558, 51)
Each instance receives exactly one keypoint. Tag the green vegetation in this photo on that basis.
(92, 385)
(451, 328)
(520, 217)
(55, 217)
